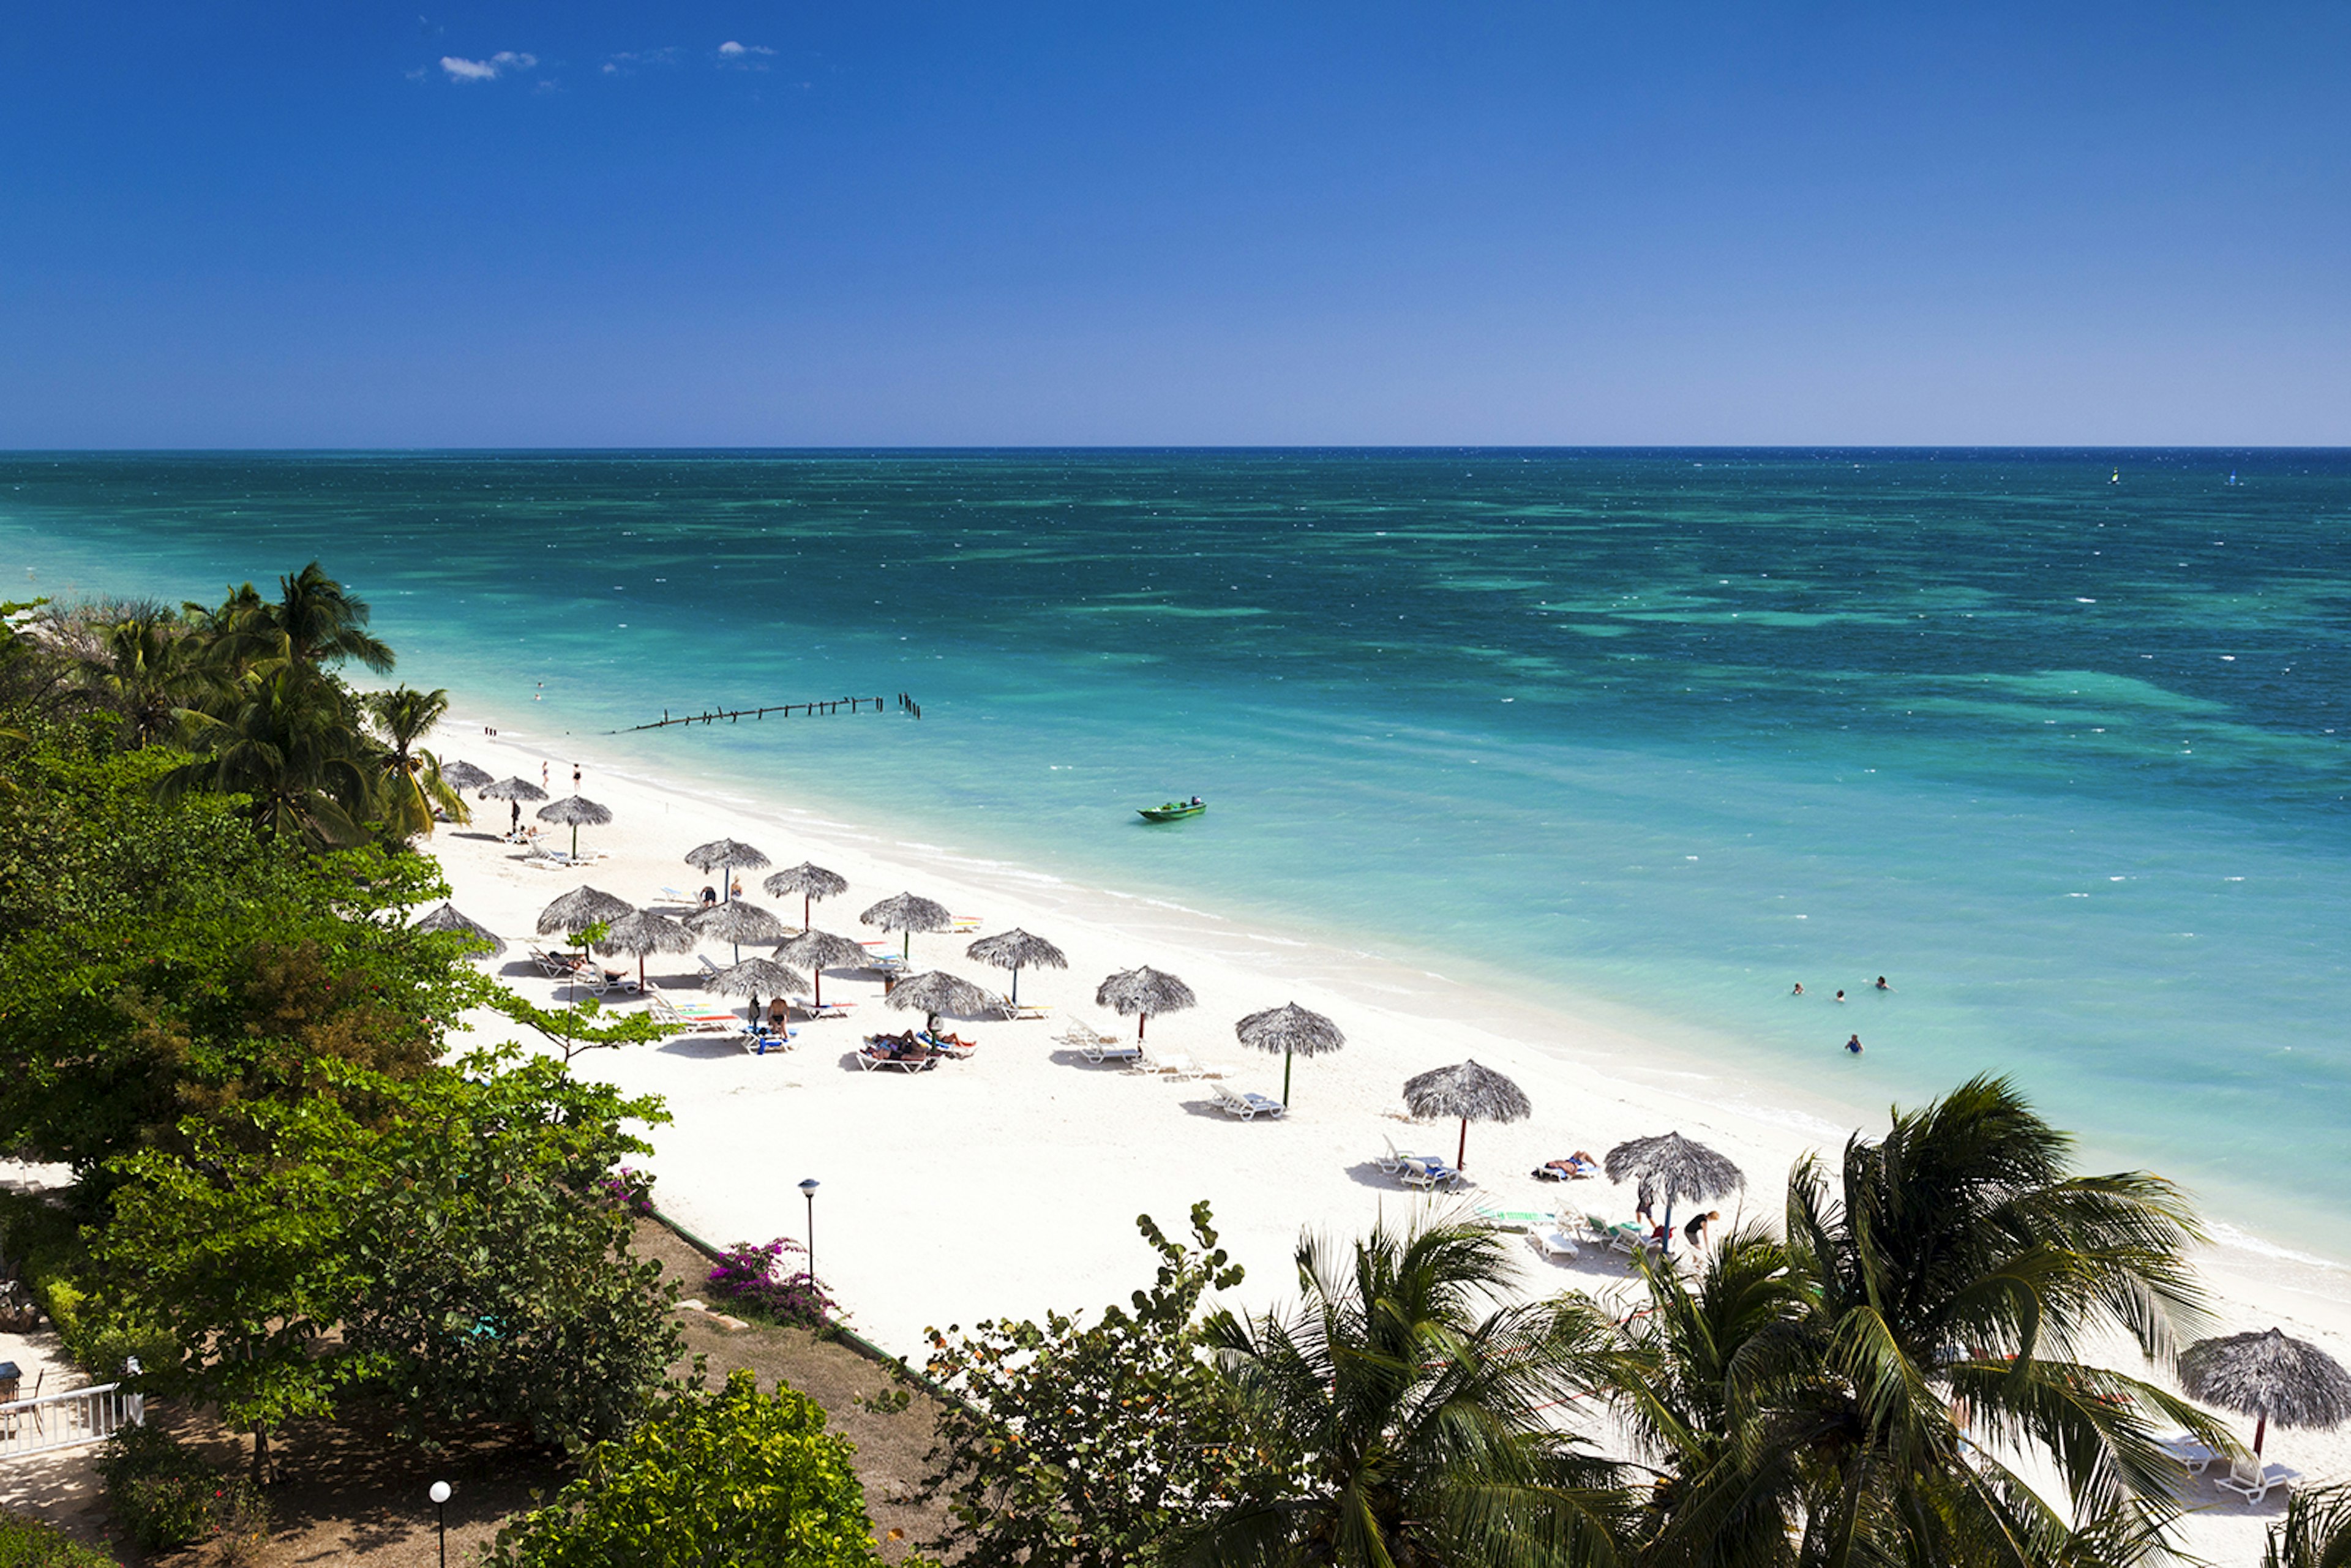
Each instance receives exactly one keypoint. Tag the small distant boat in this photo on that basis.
(1174, 810)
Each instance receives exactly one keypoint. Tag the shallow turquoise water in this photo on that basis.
(2061, 754)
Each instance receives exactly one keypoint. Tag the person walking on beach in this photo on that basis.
(1853, 1045)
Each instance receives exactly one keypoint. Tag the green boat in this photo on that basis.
(1174, 810)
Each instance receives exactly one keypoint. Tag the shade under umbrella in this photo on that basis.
(1290, 1029)
(818, 951)
(641, 930)
(808, 879)
(446, 918)
(908, 912)
(936, 991)
(1139, 993)
(726, 854)
(1015, 950)
(579, 909)
(575, 811)
(1673, 1167)
(1469, 1092)
(462, 775)
(735, 924)
(516, 789)
(755, 977)
(2270, 1376)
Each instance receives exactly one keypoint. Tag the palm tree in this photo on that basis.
(2315, 1532)
(286, 740)
(1922, 1333)
(147, 666)
(313, 621)
(1408, 1409)
(412, 776)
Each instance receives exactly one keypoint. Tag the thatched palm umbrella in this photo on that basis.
(908, 912)
(934, 992)
(755, 977)
(641, 930)
(518, 790)
(446, 918)
(1015, 950)
(2270, 1376)
(736, 923)
(573, 812)
(1291, 1028)
(1143, 992)
(808, 880)
(820, 950)
(1472, 1093)
(579, 909)
(460, 774)
(726, 853)
(1672, 1168)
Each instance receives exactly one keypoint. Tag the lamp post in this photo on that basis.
(807, 1191)
(439, 1493)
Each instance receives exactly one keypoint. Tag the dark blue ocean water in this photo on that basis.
(2056, 740)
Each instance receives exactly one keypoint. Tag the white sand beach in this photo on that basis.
(1010, 1183)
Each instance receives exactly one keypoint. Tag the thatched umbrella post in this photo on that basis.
(1014, 949)
(723, 855)
(446, 918)
(2270, 1376)
(908, 912)
(1672, 1167)
(736, 923)
(641, 932)
(1143, 992)
(934, 992)
(810, 881)
(514, 790)
(1291, 1028)
(819, 950)
(573, 811)
(1469, 1092)
(753, 979)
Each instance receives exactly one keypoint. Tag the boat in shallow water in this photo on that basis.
(1172, 811)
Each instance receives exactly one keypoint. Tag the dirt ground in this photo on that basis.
(348, 1493)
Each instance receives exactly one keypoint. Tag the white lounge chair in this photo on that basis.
(1396, 1159)
(1099, 1051)
(1247, 1104)
(1169, 1064)
(1082, 1035)
(809, 1009)
(670, 1015)
(2252, 1481)
(708, 967)
(2196, 1456)
(1021, 1011)
(1552, 1242)
(1427, 1175)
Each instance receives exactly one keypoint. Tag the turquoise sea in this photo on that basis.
(2055, 740)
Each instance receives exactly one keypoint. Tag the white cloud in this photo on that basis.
(498, 65)
(735, 51)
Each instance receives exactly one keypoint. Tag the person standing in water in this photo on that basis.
(1799, 990)
(1853, 1045)
(1882, 985)
(1840, 996)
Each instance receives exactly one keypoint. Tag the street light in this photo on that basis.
(808, 1190)
(439, 1493)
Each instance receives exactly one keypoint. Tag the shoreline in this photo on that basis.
(1008, 1185)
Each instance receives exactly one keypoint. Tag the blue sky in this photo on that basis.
(686, 225)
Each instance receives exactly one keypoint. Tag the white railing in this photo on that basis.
(62, 1420)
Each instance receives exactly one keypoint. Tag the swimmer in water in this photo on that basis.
(1853, 1045)
(1882, 985)
(1840, 996)
(1799, 990)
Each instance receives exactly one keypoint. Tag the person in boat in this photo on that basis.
(1195, 801)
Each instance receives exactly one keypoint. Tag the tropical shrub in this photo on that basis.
(753, 1277)
(1086, 1445)
(29, 1542)
(732, 1475)
(159, 1489)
